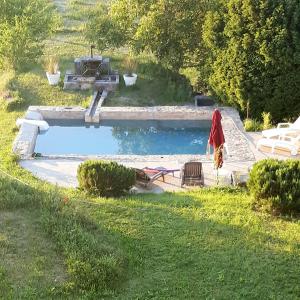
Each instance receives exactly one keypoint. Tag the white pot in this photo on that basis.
(53, 78)
(130, 80)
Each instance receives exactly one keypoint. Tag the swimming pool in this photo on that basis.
(124, 137)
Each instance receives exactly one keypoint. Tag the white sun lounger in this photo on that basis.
(283, 142)
(283, 129)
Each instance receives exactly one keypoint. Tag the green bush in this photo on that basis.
(24, 25)
(252, 125)
(276, 184)
(107, 179)
(266, 120)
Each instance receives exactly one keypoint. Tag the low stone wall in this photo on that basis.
(25, 141)
(156, 113)
(237, 144)
(60, 112)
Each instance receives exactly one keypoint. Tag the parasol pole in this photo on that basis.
(208, 150)
(217, 150)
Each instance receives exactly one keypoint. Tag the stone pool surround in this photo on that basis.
(237, 144)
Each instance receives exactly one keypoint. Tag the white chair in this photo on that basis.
(284, 142)
(283, 129)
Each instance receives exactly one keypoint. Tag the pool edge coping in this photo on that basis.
(24, 143)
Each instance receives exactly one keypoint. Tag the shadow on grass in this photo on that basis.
(34, 89)
(95, 264)
(155, 85)
(203, 244)
(190, 249)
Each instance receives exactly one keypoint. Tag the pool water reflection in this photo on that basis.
(124, 137)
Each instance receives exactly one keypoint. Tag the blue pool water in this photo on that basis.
(125, 137)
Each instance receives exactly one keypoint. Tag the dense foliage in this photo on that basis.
(171, 30)
(245, 52)
(276, 184)
(255, 125)
(24, 24)
(105, 178)
(254, 54)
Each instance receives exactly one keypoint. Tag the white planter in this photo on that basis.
(130, 80)
(53, 78)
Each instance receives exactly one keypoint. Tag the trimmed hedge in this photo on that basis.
(107, 179)
(276, 184)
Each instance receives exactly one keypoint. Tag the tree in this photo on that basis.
(254, 55)
(170, 29)
(24, 24)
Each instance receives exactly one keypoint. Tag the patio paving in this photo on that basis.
(63, 171)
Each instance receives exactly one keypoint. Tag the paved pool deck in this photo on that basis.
(62, 171)
(241, 152)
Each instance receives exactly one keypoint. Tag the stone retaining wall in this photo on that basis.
(60, 112)
(156, 113)
(25, 141)
(237, 144)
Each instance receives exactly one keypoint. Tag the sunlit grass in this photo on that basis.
(201, 244)
(206, 244)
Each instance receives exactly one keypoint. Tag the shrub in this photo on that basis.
(24, 25)
(266, 120)
(6, 78)
(276, 184)
(252, 125)
(105, 178)
(10, 98)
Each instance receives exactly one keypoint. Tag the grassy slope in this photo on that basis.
(30, 261)
(206, 244)
(202, 244)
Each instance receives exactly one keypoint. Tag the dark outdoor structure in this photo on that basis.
(202, 100)
(92, 72)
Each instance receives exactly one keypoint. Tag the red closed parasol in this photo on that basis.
(216, 138)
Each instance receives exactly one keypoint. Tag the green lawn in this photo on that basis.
(202, 244)
(30, 261)
(59, 243)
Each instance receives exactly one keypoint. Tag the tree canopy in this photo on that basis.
(245, 51)
(24, 24)
(254, 55)
(171, 30)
